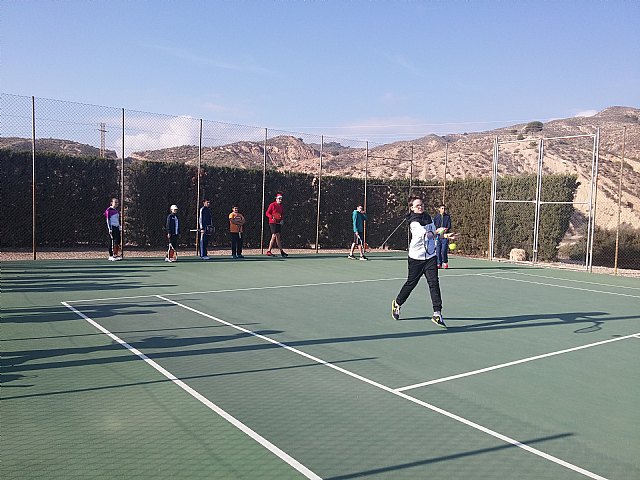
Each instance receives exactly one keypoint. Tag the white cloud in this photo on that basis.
(153, 132)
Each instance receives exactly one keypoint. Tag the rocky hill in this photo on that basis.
(55, 145)
(467, 155)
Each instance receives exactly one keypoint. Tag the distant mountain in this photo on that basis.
(468, 155)
(66, 147)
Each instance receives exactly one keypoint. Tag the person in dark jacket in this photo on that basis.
(205, 224)
(442, 220)
(173, 228)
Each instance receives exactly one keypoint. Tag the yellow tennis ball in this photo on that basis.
(452, 246)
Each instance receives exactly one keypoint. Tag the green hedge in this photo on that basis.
(74, 192)
(604, 248)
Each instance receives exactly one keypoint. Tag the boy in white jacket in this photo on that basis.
(422, 261)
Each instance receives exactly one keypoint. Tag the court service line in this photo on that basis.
(373, 383)
(515, 362)
(576, 281)
(559, 286)
(250, 289)
(205, 401)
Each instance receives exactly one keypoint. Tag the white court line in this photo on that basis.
(439, 410)
(575, 281)
(515, 362)
(249, 289)
(202, 399)
(559, 286)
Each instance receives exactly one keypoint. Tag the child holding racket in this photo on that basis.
(173, 231)
(113, 226)
(422, 261)
(275, 214)
(236, 222)
(358, 218)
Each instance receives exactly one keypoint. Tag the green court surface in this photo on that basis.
(293, 368)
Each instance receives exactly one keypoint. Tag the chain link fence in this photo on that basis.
(64, 161)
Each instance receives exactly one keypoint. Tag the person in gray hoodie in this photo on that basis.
(422, 261)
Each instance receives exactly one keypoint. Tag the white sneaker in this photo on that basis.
(111, 259)
(205, 258)
(166, 259)
(116, 259)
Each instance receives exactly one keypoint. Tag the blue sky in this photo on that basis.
(377, 70)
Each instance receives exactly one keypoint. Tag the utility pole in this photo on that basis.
(102, 131)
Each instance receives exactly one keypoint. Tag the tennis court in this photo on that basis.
(293, 368)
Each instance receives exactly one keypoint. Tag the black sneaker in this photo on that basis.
(437, 319)
(282, 254)
(363, 258)
(395, 310)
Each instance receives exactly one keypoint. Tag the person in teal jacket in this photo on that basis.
(358, 217)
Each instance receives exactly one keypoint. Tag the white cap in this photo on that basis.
(173, 207)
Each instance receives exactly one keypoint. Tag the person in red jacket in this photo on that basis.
(275, 214)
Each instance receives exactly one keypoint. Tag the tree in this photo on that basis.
(533, 127)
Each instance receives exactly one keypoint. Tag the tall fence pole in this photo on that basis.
(319, 195)
(366, 177)
(596, 155)
(122, 199)
(33, 176)
(411, 172)
(492, 209)
(624, 144)
(444, 181)
(264, 184)
(536, 220)
(198, 189)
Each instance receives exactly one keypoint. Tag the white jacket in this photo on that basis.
(423, 241)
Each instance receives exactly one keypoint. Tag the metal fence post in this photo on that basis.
(264, 180)
(319, 194)
(198, 189)
(492, 209)
(615, 261)
(33, 176)
(444, 181)
(536, 219)
(593, 199)
(122, 197)
(411, 173)
(366, 177)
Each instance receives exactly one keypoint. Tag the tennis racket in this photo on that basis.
(172, 255)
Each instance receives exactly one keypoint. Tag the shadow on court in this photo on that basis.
(30, 360)
(454, 456)
(13, 377)
(62, 313)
